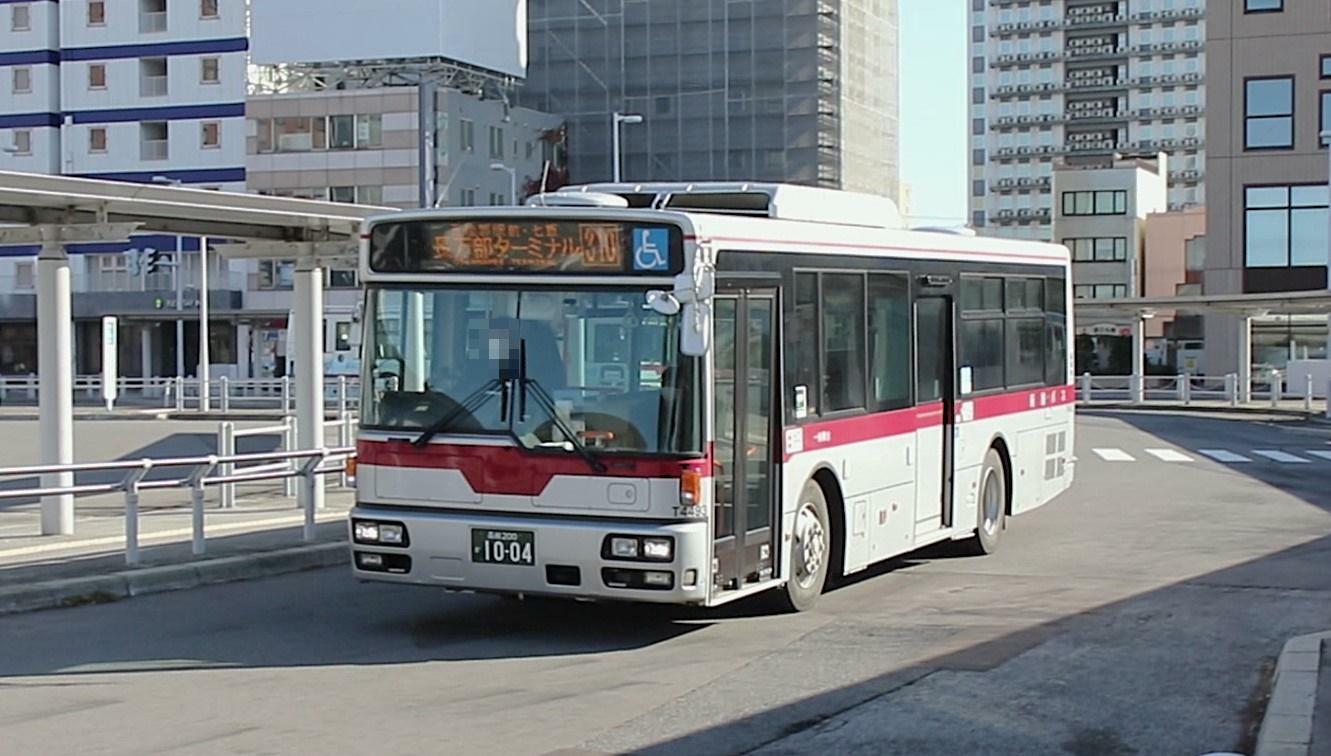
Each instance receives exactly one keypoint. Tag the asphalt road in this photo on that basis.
(1137, 614)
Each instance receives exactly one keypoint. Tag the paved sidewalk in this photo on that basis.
(1298, 716)
(260, 536)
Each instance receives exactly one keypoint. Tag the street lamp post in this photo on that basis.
(512, 181)
(617, 120)
(205, 401)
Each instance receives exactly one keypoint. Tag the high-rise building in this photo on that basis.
(125, 90)
(1270, 97)
(1080, 80)
(803, 91)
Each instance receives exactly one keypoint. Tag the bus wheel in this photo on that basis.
(810, 549)
(991, 512)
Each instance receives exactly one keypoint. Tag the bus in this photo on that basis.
(692, 393)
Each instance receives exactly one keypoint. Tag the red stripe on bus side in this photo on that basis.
(828, 434)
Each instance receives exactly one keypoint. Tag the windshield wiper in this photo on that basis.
(474, 401)
(547, 403)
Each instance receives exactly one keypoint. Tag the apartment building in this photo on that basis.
(130, 90)
(1100, 216)
(1267, 226)
(802, 91)
(1080, 80)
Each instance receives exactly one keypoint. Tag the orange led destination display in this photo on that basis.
(524, 245)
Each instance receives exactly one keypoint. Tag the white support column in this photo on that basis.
(413, 329)
(1138, 380)
(205, 369)
(244, 348)
(309, 370)
(1245, 358)
(146, 356)
(55, 370)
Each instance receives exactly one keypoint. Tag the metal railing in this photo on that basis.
(1185, 389)
(306, 466)
(340, 393)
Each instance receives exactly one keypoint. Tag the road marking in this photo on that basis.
(1169, 455)
(1114, 455)
(1221, 455)
(1322, 454)
(1281, 457)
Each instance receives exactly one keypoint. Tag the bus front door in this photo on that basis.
(744, 471)
(935, 406)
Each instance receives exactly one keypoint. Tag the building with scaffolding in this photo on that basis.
(801, 91)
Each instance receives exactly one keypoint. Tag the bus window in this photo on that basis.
(843, 341)
(889, 342)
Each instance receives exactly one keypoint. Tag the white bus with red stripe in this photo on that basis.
(693, 393)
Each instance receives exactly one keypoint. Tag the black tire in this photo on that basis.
(811, 542)
(990, 507)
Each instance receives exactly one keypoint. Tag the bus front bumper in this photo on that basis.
(569, 557)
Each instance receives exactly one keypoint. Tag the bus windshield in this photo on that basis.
(536, 364)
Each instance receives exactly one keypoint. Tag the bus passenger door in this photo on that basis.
(935, 408)
(744, 471)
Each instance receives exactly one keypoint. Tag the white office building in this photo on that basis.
(1079, 81)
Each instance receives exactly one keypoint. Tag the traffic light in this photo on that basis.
(154, 261)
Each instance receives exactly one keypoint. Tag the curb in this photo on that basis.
(1287, 725)
(100, 589)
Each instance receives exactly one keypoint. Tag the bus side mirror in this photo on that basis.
(695, 329)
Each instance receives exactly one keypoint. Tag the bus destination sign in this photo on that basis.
(527, 245)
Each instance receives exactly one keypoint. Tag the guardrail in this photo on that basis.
(307, 466)
(184, 394)
(1185, 389)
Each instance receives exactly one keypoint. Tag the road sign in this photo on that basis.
(110, 352)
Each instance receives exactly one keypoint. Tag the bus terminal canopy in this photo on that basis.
(54, 211)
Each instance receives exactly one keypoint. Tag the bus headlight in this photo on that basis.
(658, 549)
(624, 548)
(376, 533)
(365, 532)
(391, 534)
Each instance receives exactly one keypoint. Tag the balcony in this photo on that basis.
(1022, 215)
(1173, 111)
(1095, 82)
(1096, 51)
(152, 22)
(1165, 80)
(1185, 177)
(1168, 15)
(1093, 146)
(1009, 122)
(152, 86)
(1016, 59)
(153, 149)
(1027, 151)
(1024, 26)
(1096, 114)
(1150, 48)
(1025, 182)
(1012, 90)
(1091, 20)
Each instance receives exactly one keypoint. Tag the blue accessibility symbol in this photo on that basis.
(651, 249)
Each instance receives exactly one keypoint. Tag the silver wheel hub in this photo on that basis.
(991, 502)
(810, 550)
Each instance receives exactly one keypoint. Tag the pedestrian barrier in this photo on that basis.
(1188, 389)
(183, 394)
(305, 466)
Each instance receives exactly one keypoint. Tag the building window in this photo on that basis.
(977, 219)
(296, 134)
(497, 200)
(207, 8)
(1325, 123)
(97, 139)
(467, 197)
(22, 142)
(276, 274)
(1100, 249)
(22, 80)
(370, 195)
(153, 140)
(1100, 291)
(342, 279)
(152, 77)
(96, 76)
(977, 188)
(977, 95)
(977, 157)
(467, 135)
(496, 142)
(977, 33)
(342, 132)
(369, 131)
(20, 18)
(212, 134)
(152, 16)
(1263, 6)
(1285, 226)
(1326, 66)
(96, 12)
(977, 64)
(346, 194)
(210, 70)
(1111, 202)
(1268, 113)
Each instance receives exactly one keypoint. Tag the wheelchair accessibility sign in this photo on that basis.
(651, 249)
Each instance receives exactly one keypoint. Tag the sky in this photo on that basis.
(933, 109)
